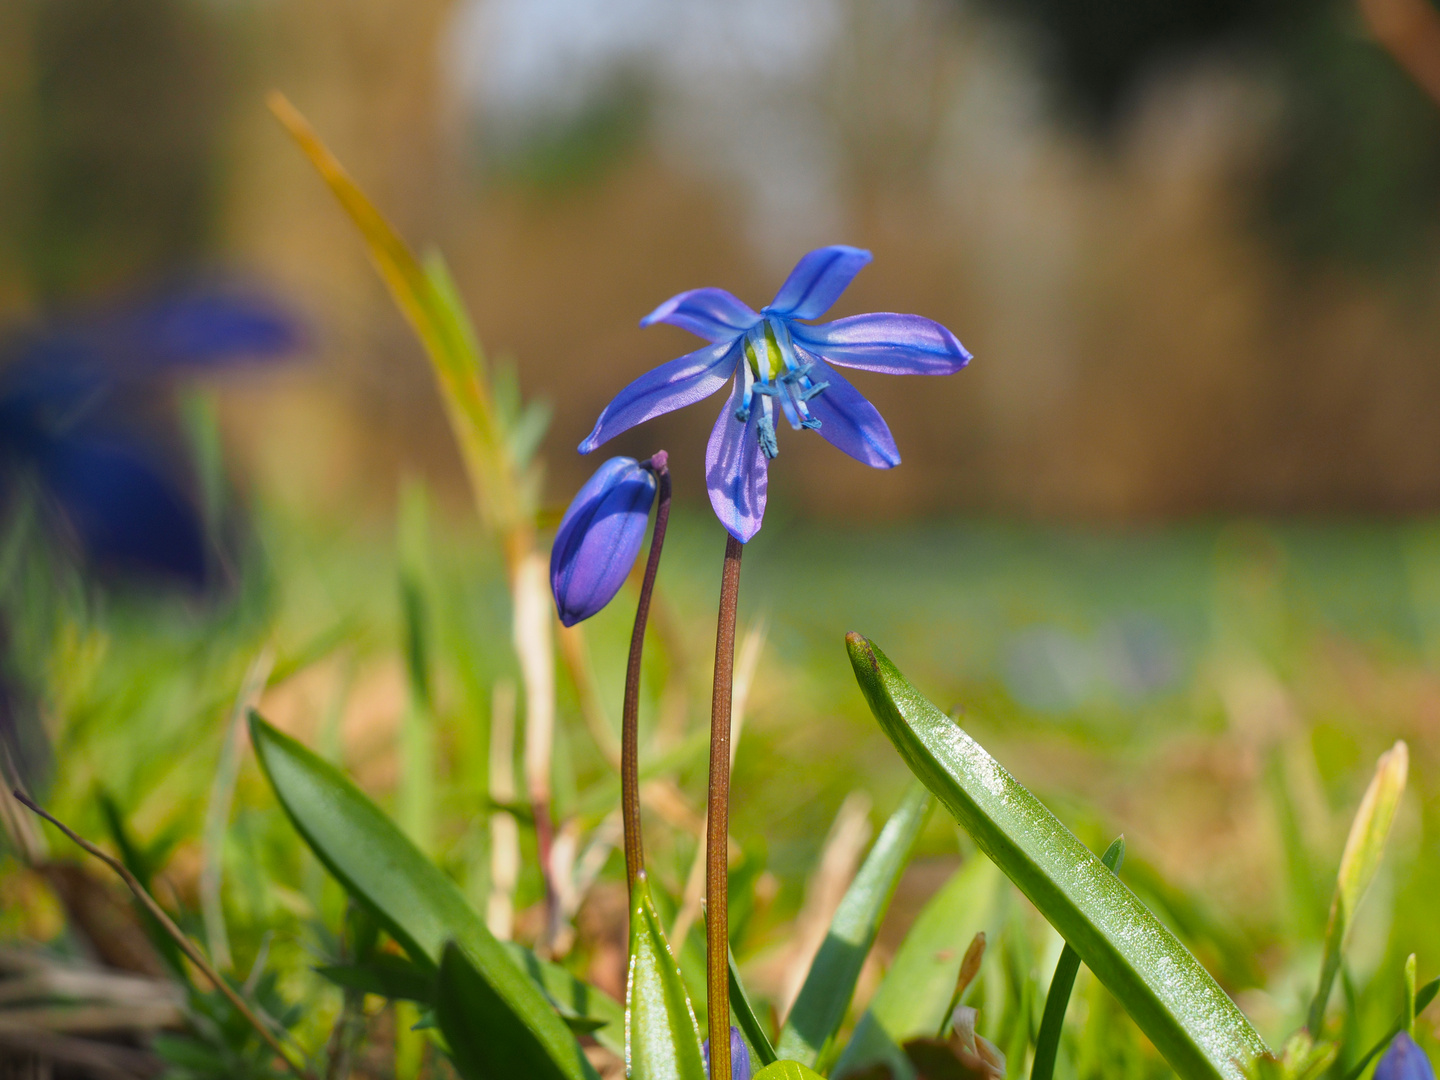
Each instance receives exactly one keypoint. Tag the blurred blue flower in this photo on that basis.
(599, 538)
(781, 365)
(739, 1056)
(78, 405)
(1404, 1061)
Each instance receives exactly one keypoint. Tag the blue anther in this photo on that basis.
(743, 413)
(811, 423)
(768, 446)
(812, 391)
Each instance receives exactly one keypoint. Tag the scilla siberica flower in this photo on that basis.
(599, 537)
(1404, 1061)
(781, 366)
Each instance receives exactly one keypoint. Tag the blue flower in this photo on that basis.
(781, 366)
(1404, 1061)
(739, 1056)
(599, 537)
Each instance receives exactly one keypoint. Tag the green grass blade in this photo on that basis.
(418, 905)
(747, 1019)
(1364, 848)
(1175, 1002)
(1047, 1043)
(662, 1039)
(911, 999)
(820, 1007)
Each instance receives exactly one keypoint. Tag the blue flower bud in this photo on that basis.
(739, 1056)
(1404, 1061)
(599, 538)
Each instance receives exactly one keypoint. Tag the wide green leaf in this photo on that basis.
(662, 1039)
(912, 997)
(820, 1007)
(417, 905)
(1173, 999)
(787, 1070)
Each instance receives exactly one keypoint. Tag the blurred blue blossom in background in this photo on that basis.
(84, 411)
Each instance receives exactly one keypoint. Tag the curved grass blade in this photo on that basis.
(1423, 997)
(418, 906)
(662, 1039)
(584, 1008)
(787, 1070)
(1047, 1043)
(746, 1018)
(1175, 1002)
(1363, 849)
(820, 1007)
(911, 999)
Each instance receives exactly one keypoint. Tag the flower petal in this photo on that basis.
(893, 344)
(666, 388)
(817, 282)
(599, 538)
(712, 314)
(735, 469)
(849, 422)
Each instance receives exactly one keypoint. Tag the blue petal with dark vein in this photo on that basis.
(817, 282)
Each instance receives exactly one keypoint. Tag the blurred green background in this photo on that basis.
(1167, 545)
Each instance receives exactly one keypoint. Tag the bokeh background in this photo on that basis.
(1167, 543)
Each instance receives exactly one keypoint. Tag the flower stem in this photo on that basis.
(630, 725)
(717, 836)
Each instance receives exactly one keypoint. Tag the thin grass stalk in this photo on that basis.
(217, 811)
(717, 832)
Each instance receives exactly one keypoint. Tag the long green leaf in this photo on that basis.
(419, 906)
(1175, 1002)
(662, 1039)
(820, 1007)
(1363, 849)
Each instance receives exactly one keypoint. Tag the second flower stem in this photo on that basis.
(717, 836)
(630, 722)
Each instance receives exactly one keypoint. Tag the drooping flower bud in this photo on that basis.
(600, 537)
(1404, 1061)
(739, 1056)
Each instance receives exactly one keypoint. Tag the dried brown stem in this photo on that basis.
(717, 920)
(186, 945)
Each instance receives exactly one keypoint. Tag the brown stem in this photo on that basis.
(717, 834)
(178, 935)
(630, 722)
